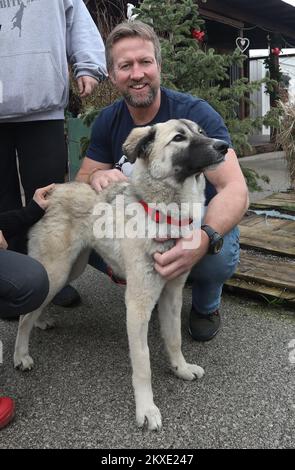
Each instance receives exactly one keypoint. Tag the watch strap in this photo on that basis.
(214, 238)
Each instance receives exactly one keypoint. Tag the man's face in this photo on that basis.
(135, 73)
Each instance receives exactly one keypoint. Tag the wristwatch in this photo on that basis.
(215, 239)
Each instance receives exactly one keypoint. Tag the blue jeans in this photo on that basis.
(208, 275)
(24, 284)
(212, 271)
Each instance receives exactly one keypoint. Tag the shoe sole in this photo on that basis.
(202, 339)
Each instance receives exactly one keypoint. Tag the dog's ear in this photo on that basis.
(138, 143)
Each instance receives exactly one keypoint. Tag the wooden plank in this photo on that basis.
(250, 220)
(270, 276)
(268, 234)
(279, 206)
(241, 285)
(261, 222)
(285, 202)
(266, 270)
(287, 196)
(268, 241)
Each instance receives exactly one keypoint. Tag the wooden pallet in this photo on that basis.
(268, 234)
(269, 271)
(267, 261)
(284, 202)
(261, 291)
(264, 276)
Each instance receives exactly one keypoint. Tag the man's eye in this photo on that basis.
(178, 138)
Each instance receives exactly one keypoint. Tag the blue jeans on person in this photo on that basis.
(208, 275)
(24, 284)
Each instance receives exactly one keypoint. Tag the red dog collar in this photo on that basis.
(158, 217)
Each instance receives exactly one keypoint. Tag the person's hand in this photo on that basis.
(183, 256)
(3, 242)
(40, 196)
(102, 178)
(86, 85)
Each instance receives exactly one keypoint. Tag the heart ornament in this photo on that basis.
(243, 44)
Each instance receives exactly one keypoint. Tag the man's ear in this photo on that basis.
(112, 77)
(139, 143)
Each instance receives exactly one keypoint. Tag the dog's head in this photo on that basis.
(174, 148)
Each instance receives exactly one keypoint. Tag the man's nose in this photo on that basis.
(137, 72)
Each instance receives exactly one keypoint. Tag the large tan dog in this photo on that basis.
(167, 156)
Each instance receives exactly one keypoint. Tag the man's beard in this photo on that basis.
(140, 102)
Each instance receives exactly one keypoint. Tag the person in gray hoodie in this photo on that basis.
(39, 39)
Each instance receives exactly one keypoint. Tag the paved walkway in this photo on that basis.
(79, 395)
(272, 165)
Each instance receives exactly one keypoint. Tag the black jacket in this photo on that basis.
(11, 222)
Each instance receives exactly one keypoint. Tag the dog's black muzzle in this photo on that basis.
(221, 147)
(201, 154)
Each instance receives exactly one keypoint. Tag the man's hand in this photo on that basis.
(102, 178)
(183, 256)
(41, 194)
(86, 85)
(3, 242)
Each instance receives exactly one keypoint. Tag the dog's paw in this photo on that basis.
(189, 372)
(23, 362)
(46, 324)
(149, 418)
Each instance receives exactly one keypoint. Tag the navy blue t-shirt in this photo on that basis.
(114, 123)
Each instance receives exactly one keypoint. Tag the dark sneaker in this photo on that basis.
(67, 297)
(204, 327)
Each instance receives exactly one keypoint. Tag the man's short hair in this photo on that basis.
(129, 29)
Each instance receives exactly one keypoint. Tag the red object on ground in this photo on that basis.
(7, 409)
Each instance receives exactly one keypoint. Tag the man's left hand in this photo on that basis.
(86, 85)
(183, 256)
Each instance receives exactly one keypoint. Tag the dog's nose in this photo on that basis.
(221, 146)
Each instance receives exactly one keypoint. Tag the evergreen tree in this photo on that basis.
(188, 66)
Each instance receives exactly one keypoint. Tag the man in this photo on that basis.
(134, 64)
(37, 42)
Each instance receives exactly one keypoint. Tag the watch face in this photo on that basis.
(217, 246)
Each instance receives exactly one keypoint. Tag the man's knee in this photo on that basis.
(220, 267)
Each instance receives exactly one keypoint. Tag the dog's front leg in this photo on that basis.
(21, 358)
(139, 309)
(169, 307)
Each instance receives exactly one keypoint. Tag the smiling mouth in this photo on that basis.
(139, 87)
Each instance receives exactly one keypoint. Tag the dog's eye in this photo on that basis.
(178, 138)
(201, 131)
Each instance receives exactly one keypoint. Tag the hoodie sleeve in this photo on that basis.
(85, 47)
(11, 222)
